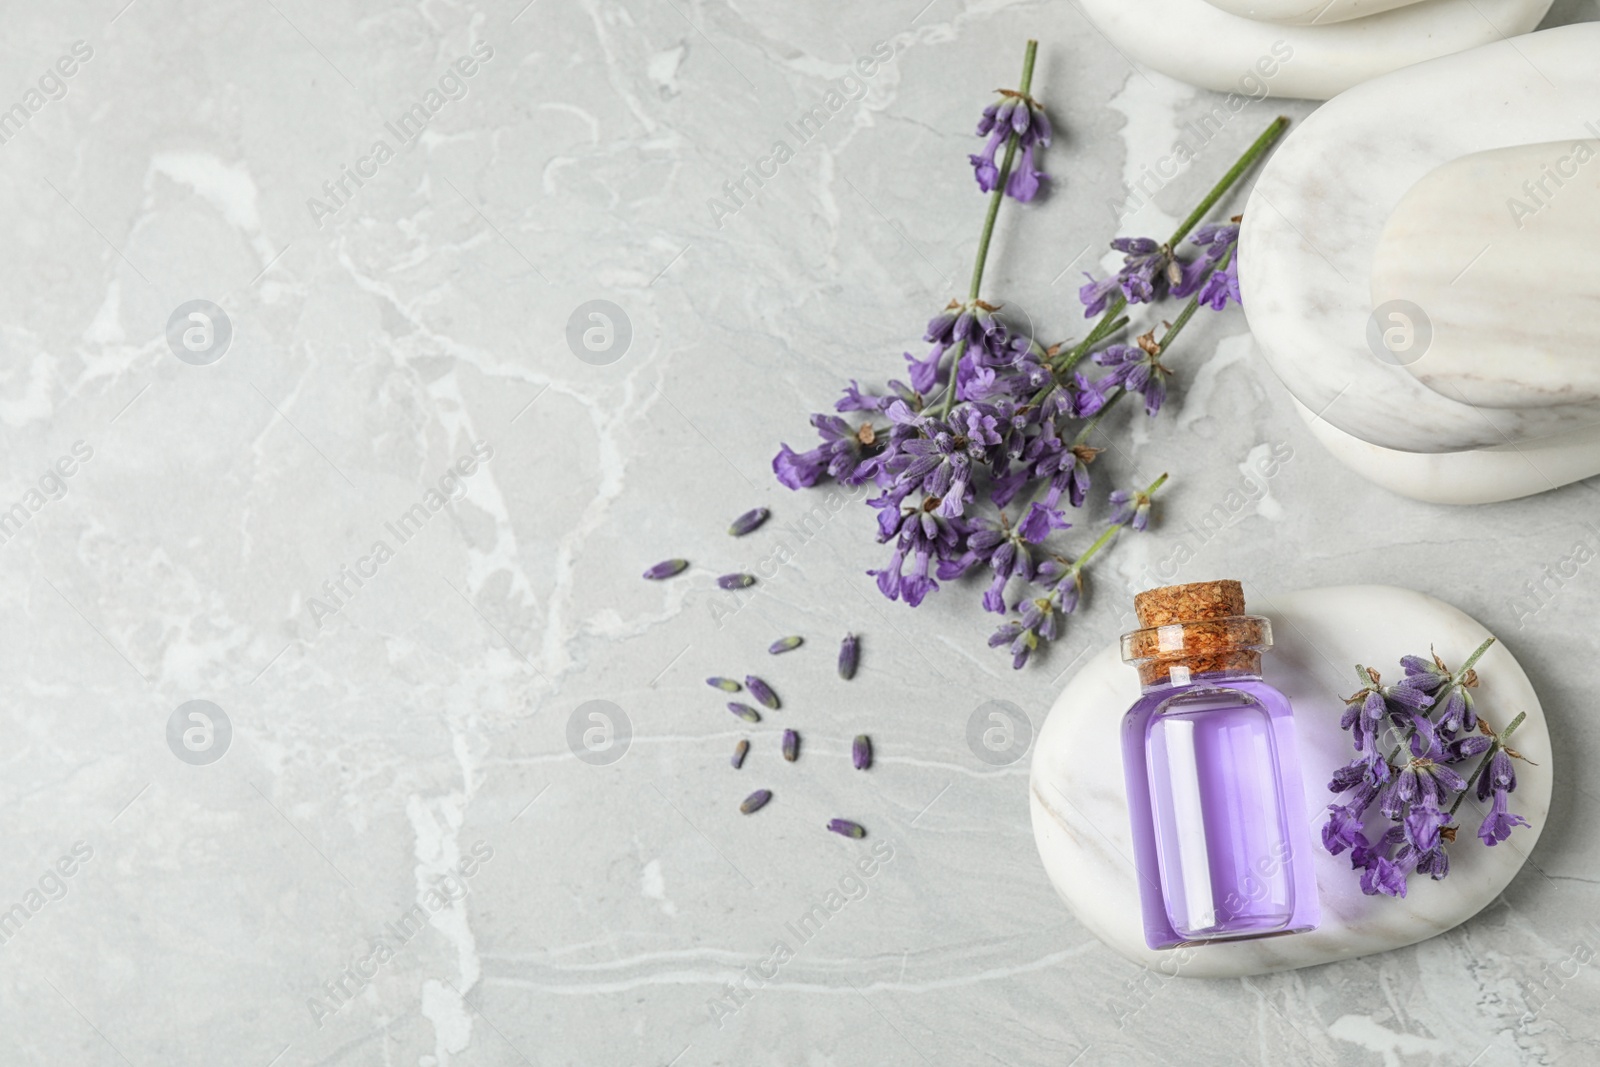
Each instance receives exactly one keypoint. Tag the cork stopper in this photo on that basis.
(1198, 628)
(1189, 603)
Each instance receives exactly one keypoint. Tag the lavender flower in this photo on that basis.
(749, 521)
(1217, 238)
(761, 691)
(744, 711)
(847, 828)
(1130, 509)
(861, 752)
(920, 536)
(785, 644)
(1499, 823)
(791, 745)
(1096, 294)
(1221, 285)
(973, 328)
(1019, 115)
(666, 569)
(740, 751)
(849, 656)
(756, 801)
(1137, 369)
(727, 685)
(736, 581)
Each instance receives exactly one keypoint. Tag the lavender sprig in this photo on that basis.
(978, 459)
(1430, 717)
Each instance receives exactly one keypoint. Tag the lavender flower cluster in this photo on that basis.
(979, 455)
(1432, 729)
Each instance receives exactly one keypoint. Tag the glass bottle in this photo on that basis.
(1220, 838)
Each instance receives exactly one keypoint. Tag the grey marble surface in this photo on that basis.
(381, 742)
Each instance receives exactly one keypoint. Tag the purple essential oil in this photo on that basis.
(1220, 837)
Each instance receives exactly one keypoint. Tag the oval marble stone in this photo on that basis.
(1477, 476)
(1317, 212)
(1307, 12)
(1497, 250)
(1080, 811)
(1199, 43)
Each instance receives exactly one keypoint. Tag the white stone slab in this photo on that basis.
(1496, 251)
(1080, 811)
(1314, 219)
(1306, 12)
(1195, 42)
(1478, 476)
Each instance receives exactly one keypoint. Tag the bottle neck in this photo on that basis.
(1172, 675)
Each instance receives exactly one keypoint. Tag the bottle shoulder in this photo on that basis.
(1219, 692)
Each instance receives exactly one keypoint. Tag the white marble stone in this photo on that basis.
(1306, 12)
(1079, 802)
(1316, 214)
(1476, 476)
(1496, 250)
(1198, 42)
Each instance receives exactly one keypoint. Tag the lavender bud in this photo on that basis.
(749, 521)
(786, 644)
(761, 691)
(737, 581)
(849, 656)
(727, 685)
(740, 751)
(791, 745)
(666, 569)
(861, 752)
(756, 801)
(744, 711)
(844, 827)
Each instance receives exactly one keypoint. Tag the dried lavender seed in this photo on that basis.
(749, 521)
(791, 745)
(761, 691)
(737, 581)
(740, 751)
(727, 685)
(786, 644)
(845, 827)
(861, 752)
(744, 711)
(758, 800)
(666, 569)
(849, 656)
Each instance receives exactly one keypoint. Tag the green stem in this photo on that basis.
(1461, 672)
(1473, 779)
(995, 197)
(1251, 154)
